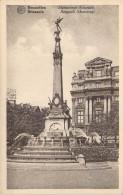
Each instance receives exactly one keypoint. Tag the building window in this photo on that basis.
(116, 98)
(98, 99)
(116, 73)
(98, 84)
(80, 117)
(80, 100)
(98, 116)
(75, 87)
(98, 73)
(117, 84)
(79, 87)
(80, 76)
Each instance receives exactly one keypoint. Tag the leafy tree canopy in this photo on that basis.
(108, 124)
(25, 118)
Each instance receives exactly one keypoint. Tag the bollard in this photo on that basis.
(81, 159)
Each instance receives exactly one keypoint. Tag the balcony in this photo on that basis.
(97, 88)
(77, 81)
(92, 87)
(98, 78)
(95, 78)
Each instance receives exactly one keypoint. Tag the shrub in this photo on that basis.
(97, 153)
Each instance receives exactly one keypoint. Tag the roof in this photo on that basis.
(115, 68)
(98, 60)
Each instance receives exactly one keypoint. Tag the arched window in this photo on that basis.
(80, 76)
(80, 116)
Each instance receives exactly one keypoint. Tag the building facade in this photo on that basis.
(11, 96)
(93, 91)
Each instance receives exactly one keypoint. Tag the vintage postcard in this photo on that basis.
(61, 70)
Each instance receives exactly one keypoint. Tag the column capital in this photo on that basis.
(105, 96)
(90, 97)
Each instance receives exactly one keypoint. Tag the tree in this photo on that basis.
(113, 120)
(108, 125)
(24, 119)
(99, 126)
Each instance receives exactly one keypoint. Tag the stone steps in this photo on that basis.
(43, 152)
(42, 148)
(54, 144)
(42, 159)
(18, 156)
(43, 155)
(62, 161)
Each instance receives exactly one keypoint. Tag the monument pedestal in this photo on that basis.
(57, 124)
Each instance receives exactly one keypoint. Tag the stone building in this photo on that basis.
(93, 91)
(11, 96)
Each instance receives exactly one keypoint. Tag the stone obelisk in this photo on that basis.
(57, 75)
(58, 121)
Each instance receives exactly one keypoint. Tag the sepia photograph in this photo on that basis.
(62, 97)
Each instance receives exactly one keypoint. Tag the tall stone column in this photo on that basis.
(105, 105)
(73, 111)
(90, 109)
(86, 111)
(109, 104)
(57, 75)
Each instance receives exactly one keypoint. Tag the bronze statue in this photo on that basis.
(57, 24)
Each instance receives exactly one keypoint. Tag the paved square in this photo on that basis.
(20, 177)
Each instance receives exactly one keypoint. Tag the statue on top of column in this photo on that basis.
(57, 24)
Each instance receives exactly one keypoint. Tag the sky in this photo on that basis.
(30, 47)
